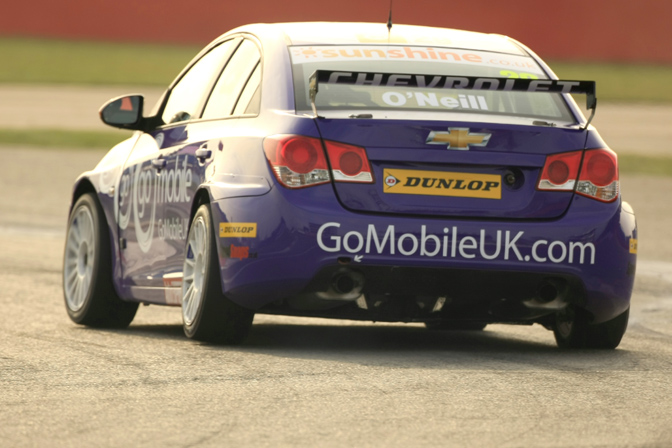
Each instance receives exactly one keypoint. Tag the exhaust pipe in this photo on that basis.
(547, 292)
(551, 294)
(344, 285)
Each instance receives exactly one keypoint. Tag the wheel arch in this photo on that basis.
(204, 196)
(113, 310)
(201, 197)
(84, 185)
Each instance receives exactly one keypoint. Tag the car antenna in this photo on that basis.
(389, 24)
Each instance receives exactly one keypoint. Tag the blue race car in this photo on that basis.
(357, 171)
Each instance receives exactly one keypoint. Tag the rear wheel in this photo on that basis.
(573, 330)
(90, 298)
(207, 314)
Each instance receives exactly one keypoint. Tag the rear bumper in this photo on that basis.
(304, 237)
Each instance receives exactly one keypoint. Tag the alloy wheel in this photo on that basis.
(79, 258)
(193, 284)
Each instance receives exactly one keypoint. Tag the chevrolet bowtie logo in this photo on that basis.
(458, 138)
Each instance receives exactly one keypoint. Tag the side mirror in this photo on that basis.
(124, 112)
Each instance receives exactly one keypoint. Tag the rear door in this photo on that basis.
(232, 96)
(159, 183)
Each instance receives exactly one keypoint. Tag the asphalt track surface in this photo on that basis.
(311, 382)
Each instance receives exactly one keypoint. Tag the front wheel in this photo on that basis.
(90, 298)
(207, 315)
(572, 329)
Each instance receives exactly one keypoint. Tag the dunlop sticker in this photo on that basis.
(237, 229)
(443, 183)
(633, 245)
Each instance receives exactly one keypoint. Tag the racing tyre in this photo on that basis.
(207, 315)
(90, 298)
(444, 325)
(573, 330)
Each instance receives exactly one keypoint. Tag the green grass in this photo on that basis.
(25, 60)
(51, 138)
(621, 82)
(58, 138)
(651, 165)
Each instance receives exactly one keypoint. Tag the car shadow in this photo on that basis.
(498, 347)
(156, 331)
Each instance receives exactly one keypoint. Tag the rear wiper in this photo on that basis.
(360, 116)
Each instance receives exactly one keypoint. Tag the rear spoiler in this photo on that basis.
(452, 82)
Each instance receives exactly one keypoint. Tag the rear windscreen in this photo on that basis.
(425, 61)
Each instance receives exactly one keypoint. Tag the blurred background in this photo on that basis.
(313, 384)
(60, 60)
(586, 30)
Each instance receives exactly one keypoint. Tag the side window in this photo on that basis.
(188, 95)
(249, 100)
(230, 84)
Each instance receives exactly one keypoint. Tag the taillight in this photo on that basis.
(599, 175)
(560, 172)
(348, 163)
(297, 161)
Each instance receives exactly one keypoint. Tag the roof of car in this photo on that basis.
(341, 33)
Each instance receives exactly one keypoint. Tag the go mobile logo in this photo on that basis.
(451, 244)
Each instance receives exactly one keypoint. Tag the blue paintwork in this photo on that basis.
(285, 255)
(288, 255)
(403, 147)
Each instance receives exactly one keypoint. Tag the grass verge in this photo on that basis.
(58, 138)
(51, 138)
(642, 164)
(621, 82)
(73, 62)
